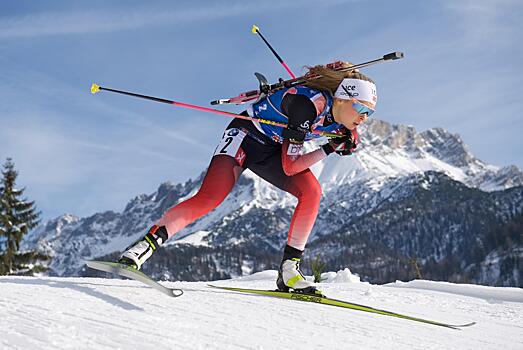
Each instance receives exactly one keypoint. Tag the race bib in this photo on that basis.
(230, 145)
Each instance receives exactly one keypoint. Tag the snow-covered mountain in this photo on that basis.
(93, 313)
(404, 196)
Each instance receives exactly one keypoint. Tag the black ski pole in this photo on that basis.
(256, 30)
(96, 88)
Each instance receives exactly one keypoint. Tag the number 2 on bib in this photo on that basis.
(230, 144)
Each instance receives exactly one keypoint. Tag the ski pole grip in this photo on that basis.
(393, 56)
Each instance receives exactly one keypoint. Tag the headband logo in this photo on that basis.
(347, 92)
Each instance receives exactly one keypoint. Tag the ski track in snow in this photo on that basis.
(97, 313)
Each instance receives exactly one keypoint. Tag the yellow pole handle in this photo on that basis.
(95, 88)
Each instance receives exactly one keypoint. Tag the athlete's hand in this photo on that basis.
(344, 145)
(296, 129)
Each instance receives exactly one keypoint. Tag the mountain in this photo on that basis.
(405, 204)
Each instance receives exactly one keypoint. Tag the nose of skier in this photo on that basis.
(362, 118)
(344, 113)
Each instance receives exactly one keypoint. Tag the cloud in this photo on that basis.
(67, 145)
(89, 21)
(487, 21)
(63, 166)
(59, 23)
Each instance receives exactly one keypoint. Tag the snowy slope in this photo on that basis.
(96, 313)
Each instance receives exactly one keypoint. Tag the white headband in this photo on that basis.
(358, 89)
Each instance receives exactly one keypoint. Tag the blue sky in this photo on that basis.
(78, 153)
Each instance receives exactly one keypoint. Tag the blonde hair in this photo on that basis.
(329, 79)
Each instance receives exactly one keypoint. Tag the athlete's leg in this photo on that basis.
(304, 186)
(225, 168)
(222, 174)
(307, 189)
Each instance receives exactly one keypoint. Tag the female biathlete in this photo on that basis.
(337, 102)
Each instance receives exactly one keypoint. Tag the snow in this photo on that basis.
(195, 239)
(490, 294)
(97, 313)
(342, 276)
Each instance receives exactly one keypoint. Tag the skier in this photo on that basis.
(337, 102)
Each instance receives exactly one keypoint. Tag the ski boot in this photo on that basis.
(291, 278)
(137, 253)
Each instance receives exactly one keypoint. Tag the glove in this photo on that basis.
(344, 145)
(295, 130)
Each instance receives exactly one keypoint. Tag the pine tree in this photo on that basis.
(17, 217)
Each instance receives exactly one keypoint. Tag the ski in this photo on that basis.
(132, 273)
(338, 303)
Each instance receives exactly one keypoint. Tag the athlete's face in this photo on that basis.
(344, 113)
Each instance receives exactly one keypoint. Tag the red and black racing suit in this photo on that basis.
(279, 164)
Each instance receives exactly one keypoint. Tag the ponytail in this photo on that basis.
(330, 79)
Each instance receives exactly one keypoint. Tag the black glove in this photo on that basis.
(301, 113)
(295, 130)
(343, 145)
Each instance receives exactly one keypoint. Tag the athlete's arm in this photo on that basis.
(301, 113)
(293, 162)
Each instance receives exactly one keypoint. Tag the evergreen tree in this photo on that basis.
(17, 217)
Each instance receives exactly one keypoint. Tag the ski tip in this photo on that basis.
(459, 326)
(255, 29)
(95, 88)
(466, 325)
(90, 262)
(176, 293)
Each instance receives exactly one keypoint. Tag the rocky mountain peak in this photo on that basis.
(394, 136)
(445, 145)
